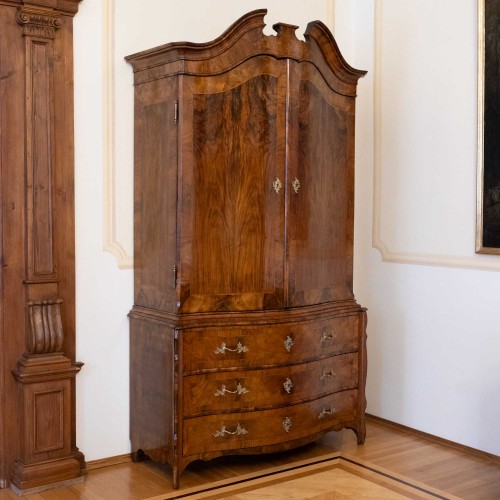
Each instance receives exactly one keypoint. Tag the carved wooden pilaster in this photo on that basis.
(37, 364)
(39, 30)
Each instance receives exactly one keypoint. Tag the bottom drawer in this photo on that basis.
(261, 428)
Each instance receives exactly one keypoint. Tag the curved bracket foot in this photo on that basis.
(139, 456)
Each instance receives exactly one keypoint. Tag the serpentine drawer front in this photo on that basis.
(245, 335)
(261, 428)
(218, 348)
(245, 390)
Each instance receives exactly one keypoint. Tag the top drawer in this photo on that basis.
(267, 345)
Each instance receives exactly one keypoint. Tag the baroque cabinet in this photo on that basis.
(245, 334)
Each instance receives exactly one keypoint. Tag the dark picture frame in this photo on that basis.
(488, 176)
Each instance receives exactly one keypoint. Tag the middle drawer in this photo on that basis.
(250, 389)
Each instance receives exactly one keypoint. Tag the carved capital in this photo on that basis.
(45, 325)
(38, 22)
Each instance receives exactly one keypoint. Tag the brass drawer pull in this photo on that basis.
(288, 385)
(288, 343)
(327, 374)
(326, 411)
(327, 337)
(239, 390)
(287, 424)
(277, 185)
(296, 185)
(223, 431)
(223, 348)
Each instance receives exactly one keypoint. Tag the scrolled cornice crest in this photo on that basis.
(38, 23)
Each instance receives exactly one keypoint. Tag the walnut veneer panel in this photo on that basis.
(320, 238)
(232, 152)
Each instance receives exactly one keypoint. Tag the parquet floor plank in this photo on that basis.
(432, 464)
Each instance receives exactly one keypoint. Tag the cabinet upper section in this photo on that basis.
(244, 171)
(244, 40)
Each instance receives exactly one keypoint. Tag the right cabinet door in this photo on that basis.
(320, 189)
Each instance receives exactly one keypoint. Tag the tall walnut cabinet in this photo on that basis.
(245, 335)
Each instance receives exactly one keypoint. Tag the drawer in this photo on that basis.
(233, 347)
(246, 390)
(267, 427)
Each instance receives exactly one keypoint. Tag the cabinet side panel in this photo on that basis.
(152, 388)
(155, 194)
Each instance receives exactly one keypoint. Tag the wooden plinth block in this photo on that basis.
(45, 396)
(29, 479)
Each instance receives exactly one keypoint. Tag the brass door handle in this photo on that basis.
(296, 185)
(277, 185)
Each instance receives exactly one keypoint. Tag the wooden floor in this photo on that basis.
(437, 466)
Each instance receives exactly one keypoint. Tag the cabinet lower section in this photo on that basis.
(262, 382)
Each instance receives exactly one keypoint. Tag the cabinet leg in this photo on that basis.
(139, 456)
(175, 478)
(360, 430)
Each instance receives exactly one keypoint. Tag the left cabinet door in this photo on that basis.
(155, 194)
(232, 132)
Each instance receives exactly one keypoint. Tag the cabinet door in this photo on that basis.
(320, 190)
(232, 129)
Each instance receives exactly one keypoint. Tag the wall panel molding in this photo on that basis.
(479, 262)
(110, 239)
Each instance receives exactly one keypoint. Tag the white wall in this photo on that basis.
(433, 332)
(434, 315)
